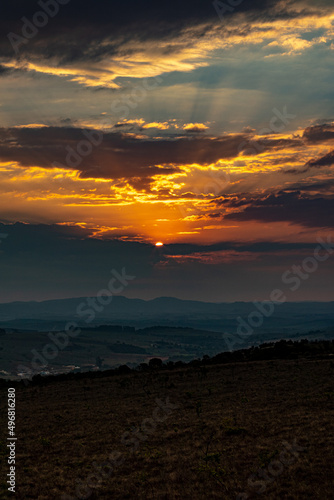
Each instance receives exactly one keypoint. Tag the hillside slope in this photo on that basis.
(194, 432)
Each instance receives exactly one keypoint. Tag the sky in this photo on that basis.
(207, 126)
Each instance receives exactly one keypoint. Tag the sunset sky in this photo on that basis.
(124, 124)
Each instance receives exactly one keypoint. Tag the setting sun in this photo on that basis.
(159, 244)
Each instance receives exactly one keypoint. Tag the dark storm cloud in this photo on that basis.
(117, 156)
(93, 22)
(40, 262)
(286, 207)
(318, 186)
(319, 133)
(324, 161)
(60, 243)
(77, 30)
(260, 145)
(263, 247)
(4, 70)
(51, 259)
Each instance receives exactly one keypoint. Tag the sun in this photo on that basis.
(159, 244)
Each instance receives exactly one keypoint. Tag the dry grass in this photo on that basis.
(230, 421)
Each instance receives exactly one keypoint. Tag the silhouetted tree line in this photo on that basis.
(284, 349)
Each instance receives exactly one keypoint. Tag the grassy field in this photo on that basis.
(244, 430)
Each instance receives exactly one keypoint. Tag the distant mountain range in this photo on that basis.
(167, 311)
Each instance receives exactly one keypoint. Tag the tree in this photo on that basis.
(155, 363)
